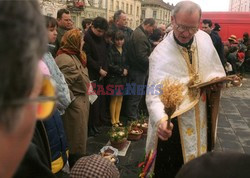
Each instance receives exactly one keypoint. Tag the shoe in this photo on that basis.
(120, 124)
(115, 125)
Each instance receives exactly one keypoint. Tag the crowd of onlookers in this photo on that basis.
(90, 68)
(237, 54)
(234, 53)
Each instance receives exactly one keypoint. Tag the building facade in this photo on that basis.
(158, 10)
(239, 5)
(50, 7)
(131, 7)
(81, 9)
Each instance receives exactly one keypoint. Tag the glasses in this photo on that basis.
(183, 28)
(46, 102)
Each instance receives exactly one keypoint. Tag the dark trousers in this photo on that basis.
(169, 155)
(137, 79)
(97, 111)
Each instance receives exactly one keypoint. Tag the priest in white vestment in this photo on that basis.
(186, 55)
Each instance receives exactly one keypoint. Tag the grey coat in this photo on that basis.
(61, 85)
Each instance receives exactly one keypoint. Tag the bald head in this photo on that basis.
(187, 7)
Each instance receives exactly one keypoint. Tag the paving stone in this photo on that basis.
(217, 146)
(246, 149)
(231, 145)
(222, 116)
(224, 100)
(235, 100)
(243, 134)
(225, 130)
(238, 124)
(240, 150)
(223, 123)
(229, 107)
(246, 101)
(248, 123)
(224, 136)
(233, 116)
(245, 113)
(244, 137)
(246, 118)
(245, 142)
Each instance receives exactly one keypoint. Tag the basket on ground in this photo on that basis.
(135, 134)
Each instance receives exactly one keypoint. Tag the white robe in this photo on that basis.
(169, 60)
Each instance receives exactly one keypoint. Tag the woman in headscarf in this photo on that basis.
(71, 60)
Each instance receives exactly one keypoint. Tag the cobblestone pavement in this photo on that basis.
(234, 119)
(233, 130)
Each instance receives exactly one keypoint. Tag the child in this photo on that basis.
(117, 76)
(61, 85)
(53, 125)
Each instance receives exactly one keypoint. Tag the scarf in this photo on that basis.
(71, 45)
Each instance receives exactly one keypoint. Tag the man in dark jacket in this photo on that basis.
(246, 42)
(96, 51)
(139, 49)
(64, 22)
(207, 27)
(120, 23)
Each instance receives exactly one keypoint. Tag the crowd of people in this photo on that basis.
(90, 76)
(234, 53)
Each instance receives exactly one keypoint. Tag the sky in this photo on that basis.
(207, 5)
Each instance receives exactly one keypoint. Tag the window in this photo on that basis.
(143, 14)
(160, 14)
(154, 14)
(126, 8)
(100, 3)
(131, 9)
(111, 5)
(123, 6)
(137, 11)
(117, 5)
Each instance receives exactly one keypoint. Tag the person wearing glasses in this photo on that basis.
(25, 95)
(187, 56)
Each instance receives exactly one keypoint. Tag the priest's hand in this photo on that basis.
(163, 132)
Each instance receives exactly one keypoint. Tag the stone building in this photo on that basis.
(239, 5)
(50, 7)
(157, 9)
(81, 9)
(131, 7)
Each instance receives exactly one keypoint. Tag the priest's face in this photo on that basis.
(185, 25)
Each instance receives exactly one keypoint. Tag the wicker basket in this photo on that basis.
(135, 136)
(119, 144)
